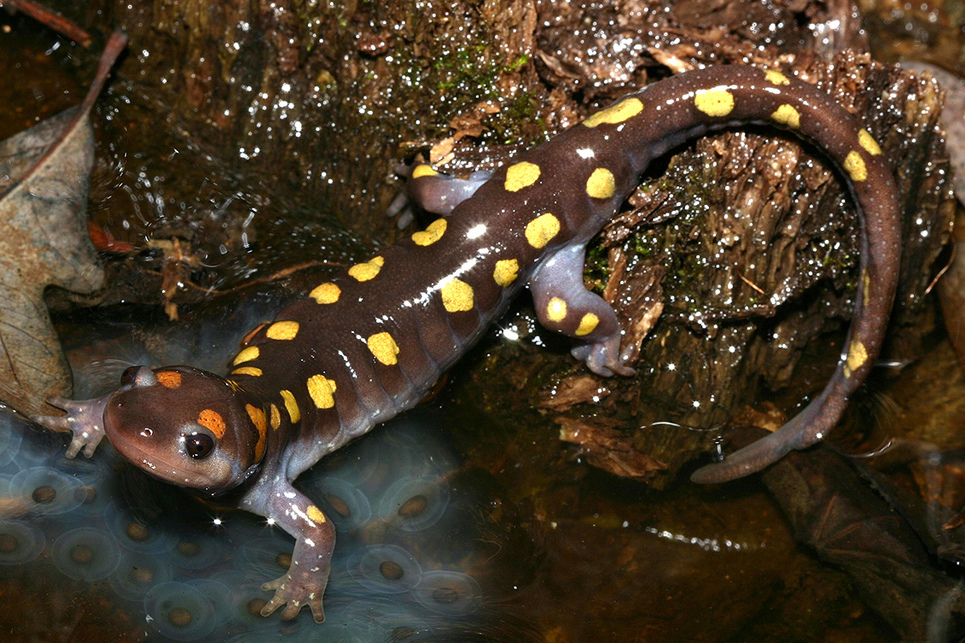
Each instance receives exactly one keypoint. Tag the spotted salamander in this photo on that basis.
(371, 342)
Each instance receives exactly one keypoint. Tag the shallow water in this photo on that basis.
(458, 522)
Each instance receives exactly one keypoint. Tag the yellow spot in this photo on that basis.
(506, 271)
(423, 170)
(787, 115)
(714, 102)
(587, 324)
(855, 167)
(431, 234)
(233, 385)
(556, 310)
(857, 356)
(384, 348)
(321, 390)
(212, 421)
(169, 379)
(542, 229)
(275, 416)
(282, 330)
(291, 406)
(247, 355)
(367, 270)
(521, 175)
(776, 77)
(315, 514)
(258, 419)
(601, 184)
(247, 370)
(868, 142)
(457, 296)
(865, 287)
(327, 293)
(625, 109)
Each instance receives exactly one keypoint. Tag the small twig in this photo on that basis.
(112, 50)
(941, 272)
(50, 18)
(750, 283)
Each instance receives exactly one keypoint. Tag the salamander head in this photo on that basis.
(186, 426)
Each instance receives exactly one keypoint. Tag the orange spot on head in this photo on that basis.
(212, 421)
(170, 379)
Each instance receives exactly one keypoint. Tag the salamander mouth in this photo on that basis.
(157, 466)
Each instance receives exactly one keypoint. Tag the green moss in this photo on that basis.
(521, 60)
(596, 272)
(468, 75)
(469, 72)
(684, 256)
(507, 125)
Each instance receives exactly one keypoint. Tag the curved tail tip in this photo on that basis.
(723, 471)
(754, 457)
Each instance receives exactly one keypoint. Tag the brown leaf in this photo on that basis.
(44, 180)
(573, 390)
(609, 449)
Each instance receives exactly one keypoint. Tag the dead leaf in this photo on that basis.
(609, 449)
(44, 181)
(573, 390)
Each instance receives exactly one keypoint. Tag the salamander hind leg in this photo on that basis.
(432, 191)
(565, 305)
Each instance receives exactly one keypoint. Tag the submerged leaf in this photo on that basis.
(44, 181)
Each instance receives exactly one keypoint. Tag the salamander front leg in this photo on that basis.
(565, 305)
(84, 421)
(307, 577)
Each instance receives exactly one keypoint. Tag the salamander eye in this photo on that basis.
(198, 445)
(127, 377)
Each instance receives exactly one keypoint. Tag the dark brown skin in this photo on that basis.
(370, 343)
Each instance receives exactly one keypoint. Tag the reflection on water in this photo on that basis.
(406, 561)
(407, 564)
